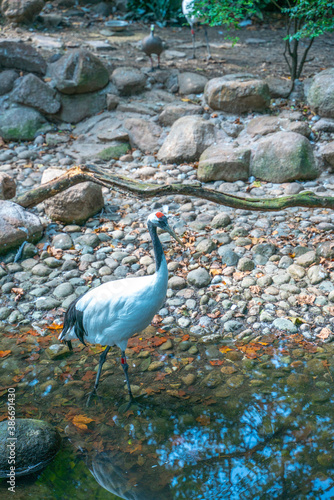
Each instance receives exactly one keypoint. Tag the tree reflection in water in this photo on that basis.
(273, 443)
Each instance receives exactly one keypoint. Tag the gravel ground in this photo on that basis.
(243, 274)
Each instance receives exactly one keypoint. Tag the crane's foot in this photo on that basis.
(133, 403)
(92, 395)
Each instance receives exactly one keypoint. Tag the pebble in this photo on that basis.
(199, 277)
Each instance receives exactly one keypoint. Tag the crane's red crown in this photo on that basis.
(159, 215)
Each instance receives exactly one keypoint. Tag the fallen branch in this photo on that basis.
(45, 191)
(101, 176)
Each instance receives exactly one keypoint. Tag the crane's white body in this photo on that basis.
(187, 7)
(116, 310)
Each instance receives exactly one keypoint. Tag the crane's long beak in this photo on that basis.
(172, 233)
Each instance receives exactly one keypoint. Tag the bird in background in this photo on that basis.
(153, 44)
(111, 313)
(187, 8)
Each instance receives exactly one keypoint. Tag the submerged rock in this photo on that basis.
(37, 442)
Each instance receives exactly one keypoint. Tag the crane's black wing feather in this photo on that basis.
(74, 318)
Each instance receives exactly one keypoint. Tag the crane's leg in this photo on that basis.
(158, 61)
(125, 367)
(193, 38)
(207, 43)
(103, 357)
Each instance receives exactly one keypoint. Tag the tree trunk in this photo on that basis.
(102, 177)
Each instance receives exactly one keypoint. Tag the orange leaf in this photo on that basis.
(324, 333)
(81, 421)
(216, 362)
(203, 419)
(3, 354)
(89, 375)
(225, 349)
(185, 337)
(55, 326)
(216, 272)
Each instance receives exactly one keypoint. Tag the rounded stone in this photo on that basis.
(177, 283)
(36, 444)
(245, 264)
(62, 241)
(285, 324)
(221, 220)
(199, 277)
(63, 290)
(206, 246)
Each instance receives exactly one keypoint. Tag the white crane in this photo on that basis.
(111, 313)
(187, 8)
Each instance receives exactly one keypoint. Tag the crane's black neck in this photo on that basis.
(158, 250)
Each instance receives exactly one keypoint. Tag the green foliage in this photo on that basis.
(158, 10)
(312, 17)
(223, 12)
(305, 19)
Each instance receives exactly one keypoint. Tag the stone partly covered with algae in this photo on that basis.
(36, 444)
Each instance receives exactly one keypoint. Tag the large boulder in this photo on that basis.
(32, 91)
(221, 162)
(321, 93)
(79, 72)
(75, 108)
(191, 83)
(20, 123)
(326, 151)
(128, 80)
(237, 94)
(143, 134)
(15, 54)
(174, 111)
(21, 11)
(36, 444)
(283, 157)
(187, 139)
(7, 79)
(16, 226)
(263, 125)
(74, 205)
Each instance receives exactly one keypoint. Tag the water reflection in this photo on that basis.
(272, 445)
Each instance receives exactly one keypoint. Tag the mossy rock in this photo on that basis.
(114, 152)
(37, 442)
(20, 123)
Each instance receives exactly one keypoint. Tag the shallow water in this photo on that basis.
(257, 422)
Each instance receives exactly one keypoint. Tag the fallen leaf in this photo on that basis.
(216, 362)
(305, 299)
(89, 375)
(55, 326)
(216, 272)
(203, 419)
(324, 333)
(3, 354)
(225, 349)
(81, 421)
